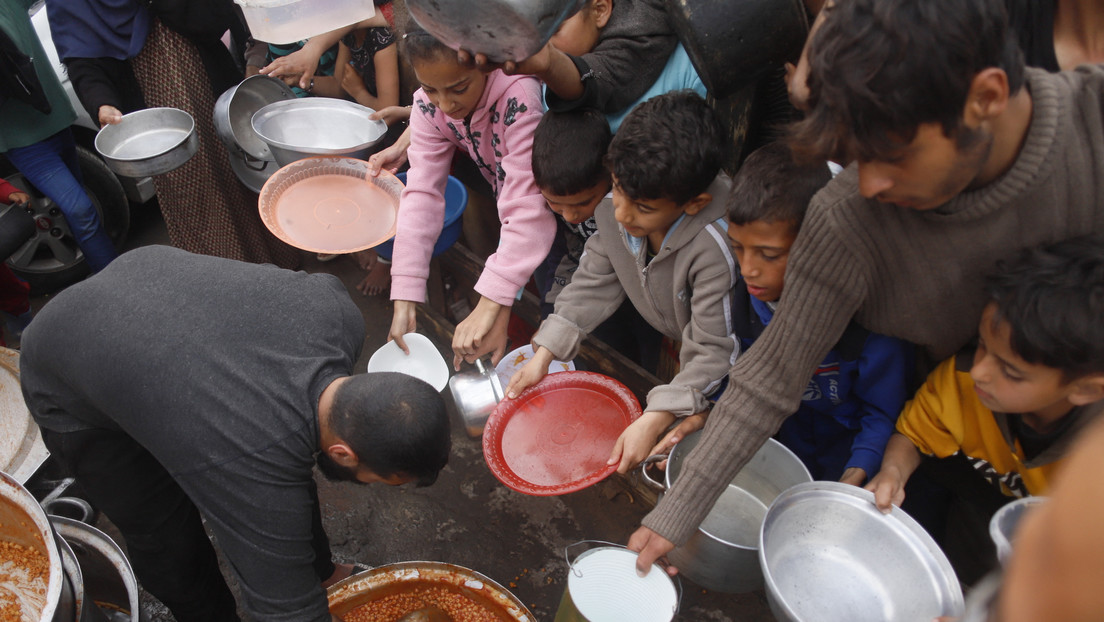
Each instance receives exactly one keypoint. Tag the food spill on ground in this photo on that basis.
(24, 572)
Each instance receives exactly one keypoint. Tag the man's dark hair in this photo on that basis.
(417, 45)
(396, 424)
(771, 186)
(1052, 298)
(880, 68)
(569, 150)
(669, 147)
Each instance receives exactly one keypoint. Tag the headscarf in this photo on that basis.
(98, 28)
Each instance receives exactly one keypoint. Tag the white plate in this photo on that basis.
(517, 359)
(424, 361)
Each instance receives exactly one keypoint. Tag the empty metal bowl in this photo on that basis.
(300, 128)
(1002, 527)
(148, 142)
(827, 553)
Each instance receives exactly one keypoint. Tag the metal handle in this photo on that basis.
(491, 374)
(650, 460)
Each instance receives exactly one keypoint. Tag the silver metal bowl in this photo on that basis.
(300, 128)
(501, 29)
(828, 553)
(475, 395)
(1002, 527)
(234, 112)
(148, 142)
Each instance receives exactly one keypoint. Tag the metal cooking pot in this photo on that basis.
(109, 589)
(148, 142)
(364, 587)
(501, 29)
(476, 394)
(723, 555)
(234, 112)
(733, 42)
(828, 553)
(23, 522)
(300, 128)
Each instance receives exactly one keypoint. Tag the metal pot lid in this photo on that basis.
(252, 94)
(21, 447)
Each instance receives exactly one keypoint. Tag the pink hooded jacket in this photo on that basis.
(499, 139)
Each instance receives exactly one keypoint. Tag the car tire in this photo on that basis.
(51, 259)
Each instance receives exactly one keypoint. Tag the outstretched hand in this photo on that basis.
(535, 65)
(651, 547)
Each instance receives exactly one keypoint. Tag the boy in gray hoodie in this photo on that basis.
(662, 243)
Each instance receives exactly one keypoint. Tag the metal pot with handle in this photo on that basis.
(723, 555)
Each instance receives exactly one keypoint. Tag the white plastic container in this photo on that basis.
(288, 21)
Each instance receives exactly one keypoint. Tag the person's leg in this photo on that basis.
(51, 165)
(165, 540)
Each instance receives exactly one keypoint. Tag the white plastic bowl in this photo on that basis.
(517, 359)
(424, 361)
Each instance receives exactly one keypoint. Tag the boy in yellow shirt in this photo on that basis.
(1011, 410)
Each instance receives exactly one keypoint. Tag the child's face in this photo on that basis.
(579, 33)
(576, 208)
(1006, 383)
(762, 249)
(453, 89)
(650, 218)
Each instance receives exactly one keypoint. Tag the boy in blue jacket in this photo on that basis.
(850, 406)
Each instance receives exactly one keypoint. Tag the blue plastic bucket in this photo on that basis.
(456, 199)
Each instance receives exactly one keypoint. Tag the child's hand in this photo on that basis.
(632, 446)
(391, 114)
(392, 157)
(19, 197)
(352, 82)
(854, 476)
(531, 373)
(483, 331)
(404, 321)
(690, 424)
(535, 65)
(109, 115)
(889, 489)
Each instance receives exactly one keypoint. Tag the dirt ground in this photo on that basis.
(468, 518)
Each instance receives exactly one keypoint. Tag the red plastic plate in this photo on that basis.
(556, 436)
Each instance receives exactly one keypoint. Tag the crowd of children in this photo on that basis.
(605, 162)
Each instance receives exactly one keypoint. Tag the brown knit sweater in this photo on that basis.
(916, 275)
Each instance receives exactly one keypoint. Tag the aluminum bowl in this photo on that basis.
(827, 553)
(501, 29)
(1002, 527)
(476, 394)
(148, 142)
(300, 128)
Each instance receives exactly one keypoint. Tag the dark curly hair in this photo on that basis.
(1052, 298)
(569, 149)
(880, 68)
(669, 147)
(773, 187)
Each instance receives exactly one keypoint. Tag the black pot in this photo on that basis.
(733, 42)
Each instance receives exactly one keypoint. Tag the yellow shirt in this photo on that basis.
(946, 417)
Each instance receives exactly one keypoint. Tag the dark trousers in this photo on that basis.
(168, 548)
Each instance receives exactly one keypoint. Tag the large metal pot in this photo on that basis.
(300, 128)
(501, 29)
(362, 588)
(234, 112)
(23, 522)
(723, 555)
(828, 554)
(108, 589)
(148, 142)
(733, 42)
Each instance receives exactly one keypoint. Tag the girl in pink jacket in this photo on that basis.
(491, 117)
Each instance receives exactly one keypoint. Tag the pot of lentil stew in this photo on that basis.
(33, 586)
(389, 592)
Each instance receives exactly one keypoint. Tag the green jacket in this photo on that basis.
(20, 124)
